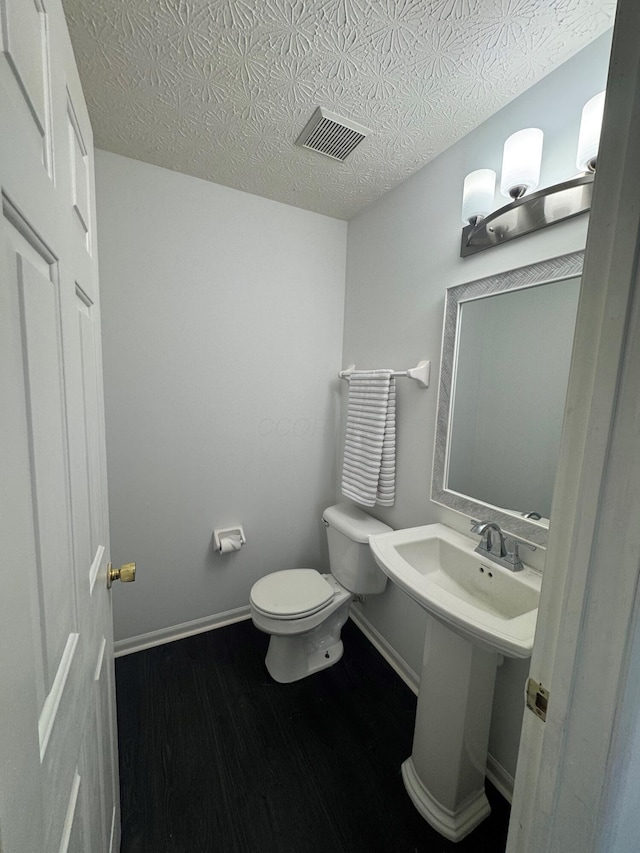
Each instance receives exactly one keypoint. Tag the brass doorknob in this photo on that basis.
(125, 573)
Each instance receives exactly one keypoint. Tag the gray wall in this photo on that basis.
(403, 252)
(222, 324)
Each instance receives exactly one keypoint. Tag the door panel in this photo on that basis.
(25, 42)
(58, 756)
(79, 163)
(22, 695)
(91, 430)
(41, 346)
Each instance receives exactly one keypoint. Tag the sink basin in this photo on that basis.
(485, 603)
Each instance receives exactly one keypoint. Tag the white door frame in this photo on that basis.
(571, 781)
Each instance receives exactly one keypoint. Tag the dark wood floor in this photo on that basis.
(215, 756)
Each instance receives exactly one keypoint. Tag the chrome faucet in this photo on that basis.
(491, 538)
(502, 549)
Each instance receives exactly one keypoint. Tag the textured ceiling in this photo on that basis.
(221, 89)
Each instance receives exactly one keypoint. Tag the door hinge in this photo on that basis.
(537, 699)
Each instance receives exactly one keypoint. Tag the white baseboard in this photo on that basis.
(500, 778)
(496, 774)
(410, 678)
(178, 632)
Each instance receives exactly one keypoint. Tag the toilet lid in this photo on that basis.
(291, 593)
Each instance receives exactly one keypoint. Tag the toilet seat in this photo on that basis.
(291, 594)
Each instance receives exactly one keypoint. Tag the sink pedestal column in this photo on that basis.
(445, 774)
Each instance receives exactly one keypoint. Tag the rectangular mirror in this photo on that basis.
(506, 351)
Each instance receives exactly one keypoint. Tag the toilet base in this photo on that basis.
(287, 662)
(295, 656)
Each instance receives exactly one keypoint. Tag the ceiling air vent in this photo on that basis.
(331, 134)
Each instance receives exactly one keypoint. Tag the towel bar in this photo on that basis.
(420, 373)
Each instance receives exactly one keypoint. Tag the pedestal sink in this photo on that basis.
(479, 612)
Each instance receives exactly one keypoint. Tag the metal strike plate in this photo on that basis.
(537, 699)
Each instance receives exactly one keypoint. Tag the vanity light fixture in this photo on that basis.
(589, 138)
(521, 161)
(529, 211)
(478, 195)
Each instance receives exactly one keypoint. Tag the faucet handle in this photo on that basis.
(518, 542)
(512, 555)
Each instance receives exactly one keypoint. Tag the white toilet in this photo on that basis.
(304, 611)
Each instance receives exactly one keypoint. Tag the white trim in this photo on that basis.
(71, 813)
(52, 702)
(113, 829)
(500, 778)
(496, 774)
(397, 663)
(100, 659)
(179, 632)
(95, 566)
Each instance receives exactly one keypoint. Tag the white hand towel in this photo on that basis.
(368, 474)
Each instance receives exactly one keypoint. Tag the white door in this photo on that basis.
(58, 764)
(576, 788)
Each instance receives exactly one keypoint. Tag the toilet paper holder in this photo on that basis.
(228, 539)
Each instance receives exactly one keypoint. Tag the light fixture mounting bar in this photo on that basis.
(528, 214)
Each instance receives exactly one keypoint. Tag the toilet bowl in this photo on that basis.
(304, 610)
(305, 638)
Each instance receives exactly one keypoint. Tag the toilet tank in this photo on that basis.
(350, 559)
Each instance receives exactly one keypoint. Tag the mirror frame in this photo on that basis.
(544, 272)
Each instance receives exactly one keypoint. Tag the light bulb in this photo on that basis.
(521, 162)
(589, 138)
(478, 195)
